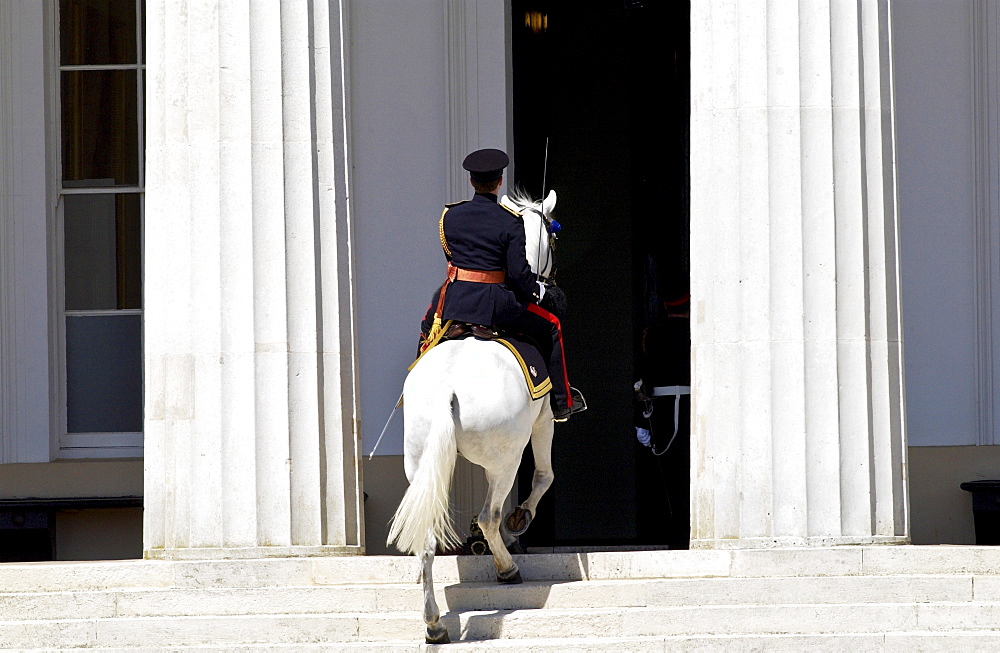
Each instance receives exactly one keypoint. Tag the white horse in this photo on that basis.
(469, 397)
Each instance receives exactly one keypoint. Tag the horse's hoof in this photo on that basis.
(438, 635)
(518, 521)
(511, 577)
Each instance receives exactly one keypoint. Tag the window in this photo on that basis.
(99, 227)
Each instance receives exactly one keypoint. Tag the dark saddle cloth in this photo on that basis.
(536, 375)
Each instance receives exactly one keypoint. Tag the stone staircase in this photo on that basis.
(899, 598)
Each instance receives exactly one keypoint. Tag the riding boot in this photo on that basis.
(566, 400)
(560, 396)
(544, 328)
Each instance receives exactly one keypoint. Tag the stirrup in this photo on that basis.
(579, 405)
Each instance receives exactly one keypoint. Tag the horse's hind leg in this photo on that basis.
(437, 633)
(541, 446)
(489, 522)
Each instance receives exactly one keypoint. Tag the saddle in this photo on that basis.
(532, 364)
(460, 330)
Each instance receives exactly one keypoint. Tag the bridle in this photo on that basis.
(551, 229)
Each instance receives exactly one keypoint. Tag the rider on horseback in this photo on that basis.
(489, 280)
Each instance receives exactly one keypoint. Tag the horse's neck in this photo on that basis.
(536, 244)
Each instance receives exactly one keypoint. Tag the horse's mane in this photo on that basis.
(519, 196)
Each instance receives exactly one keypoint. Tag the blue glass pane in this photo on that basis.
(104, 373)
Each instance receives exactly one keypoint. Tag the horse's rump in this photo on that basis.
(486, 377)
(524, 349)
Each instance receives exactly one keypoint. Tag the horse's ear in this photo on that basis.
(549, 203)
(505, 201)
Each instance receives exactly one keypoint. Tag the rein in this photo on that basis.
(542, 231)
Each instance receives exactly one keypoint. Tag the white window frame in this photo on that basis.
(67, 445)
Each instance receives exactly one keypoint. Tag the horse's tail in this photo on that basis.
(424, 507)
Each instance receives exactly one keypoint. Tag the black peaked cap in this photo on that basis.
(486, 165)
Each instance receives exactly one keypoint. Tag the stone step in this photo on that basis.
(208, 601)
(869, 598)
(883, 643)
(969, 618)
(279, 572)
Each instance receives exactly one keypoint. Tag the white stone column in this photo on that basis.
(252, 437)
(798, 433)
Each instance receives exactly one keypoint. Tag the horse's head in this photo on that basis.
(539, 228)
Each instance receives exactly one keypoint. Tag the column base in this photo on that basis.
(799, 542)
(246, 553)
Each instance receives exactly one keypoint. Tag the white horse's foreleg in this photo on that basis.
(541, 447)
(541, 480)
(489, 522)
(437, 633)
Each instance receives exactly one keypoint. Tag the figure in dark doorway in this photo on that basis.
(663, 408)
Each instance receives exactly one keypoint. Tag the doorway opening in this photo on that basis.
(601, 92)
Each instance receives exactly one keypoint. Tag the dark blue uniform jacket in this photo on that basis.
(483, 235)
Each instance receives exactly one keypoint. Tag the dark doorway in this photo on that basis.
(604, 86)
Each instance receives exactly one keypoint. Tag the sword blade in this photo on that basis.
(386, 427)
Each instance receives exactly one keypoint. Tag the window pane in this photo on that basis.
(100, 130)
(97, 31)
(104, 373)
(103, 252)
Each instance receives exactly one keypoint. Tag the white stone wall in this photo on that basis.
(428, 86)
(25, 217)
(949, 217)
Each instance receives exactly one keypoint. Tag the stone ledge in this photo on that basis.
(254, 552)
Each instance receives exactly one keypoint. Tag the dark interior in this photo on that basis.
(26, 536)
(604, 87)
